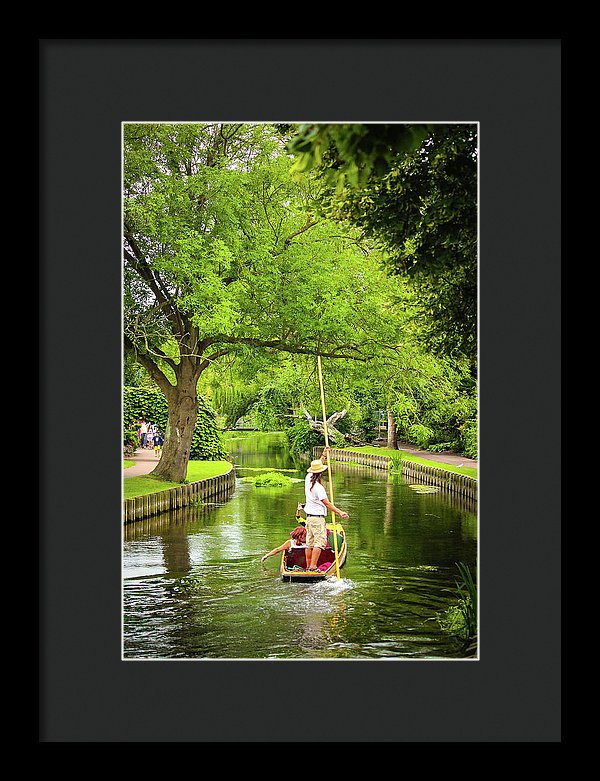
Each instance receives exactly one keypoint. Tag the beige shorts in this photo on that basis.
(316, 532)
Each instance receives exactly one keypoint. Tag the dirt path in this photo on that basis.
(445, 457)
(145, 461)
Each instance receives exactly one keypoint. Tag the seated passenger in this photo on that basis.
(297, 541)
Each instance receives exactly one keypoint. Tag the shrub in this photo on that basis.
(150, 404)
(421, 435)
(130, 438)
(130, 441)
(302, 438)
(469, 439)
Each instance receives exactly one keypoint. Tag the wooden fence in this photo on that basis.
(140, 507)
(453, 482)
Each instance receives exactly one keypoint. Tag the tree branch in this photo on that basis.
(349, 351)
(210, 358)
(309, 224)
(153, 370)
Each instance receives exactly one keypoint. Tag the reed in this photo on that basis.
(395, 464)
(461, 619)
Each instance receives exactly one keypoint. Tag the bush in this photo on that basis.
(150, 404)
(302, 439)
(130, 438)
(420, 435)
(206, 442)
(130, 441)
(147, 403)
(469, 439)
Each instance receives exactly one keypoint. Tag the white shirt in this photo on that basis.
(314, 499)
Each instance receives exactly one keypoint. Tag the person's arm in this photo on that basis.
(334, 509)
(285, 546)
(324, 453)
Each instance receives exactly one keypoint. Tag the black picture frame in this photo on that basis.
(87, 88)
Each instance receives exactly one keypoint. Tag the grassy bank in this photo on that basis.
(197, 470)
(384, 451)
(470, 471)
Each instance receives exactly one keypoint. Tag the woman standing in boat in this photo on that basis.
(315, 508)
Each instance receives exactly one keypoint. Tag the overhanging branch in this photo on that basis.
(348, 351)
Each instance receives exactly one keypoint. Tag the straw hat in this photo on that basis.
(317, 466)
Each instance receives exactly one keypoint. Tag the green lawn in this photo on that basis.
(127, 463)
(197, 470)
(384, 451)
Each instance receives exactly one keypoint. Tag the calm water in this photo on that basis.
(194, 587)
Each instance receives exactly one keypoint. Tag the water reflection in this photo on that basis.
(194, 587)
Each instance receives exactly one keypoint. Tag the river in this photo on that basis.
(194, 586)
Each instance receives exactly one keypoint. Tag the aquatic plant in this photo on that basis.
(270, 480)
(461, 619)
(395, 464)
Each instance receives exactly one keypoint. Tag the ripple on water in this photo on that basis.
(198, 590)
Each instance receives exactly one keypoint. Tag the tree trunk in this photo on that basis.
(183, 412)
(392, 436)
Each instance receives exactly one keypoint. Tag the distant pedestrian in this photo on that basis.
(143, 432)
(150, 438)
(158, 442)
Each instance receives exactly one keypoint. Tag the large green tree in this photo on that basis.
(413, 189)
(428, 397)
(222, 251)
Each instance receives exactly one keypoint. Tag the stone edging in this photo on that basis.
(139, 507)
(455, 483)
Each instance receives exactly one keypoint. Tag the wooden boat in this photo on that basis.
(293, 562)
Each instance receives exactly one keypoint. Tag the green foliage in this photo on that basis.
(421, 435)
(134, 375)
(151, 405)
(352, 153)
(302, 438)
(425, 214)
(361, 419)
(130, 438)
(272, 409)
(229, 261)
(206, 441)
(232, 400)
(270, 480)
(469, 438)
(431, 399)
(395, 465)
(461, 619)
(225, 252)
(415, 196)
(147, 403)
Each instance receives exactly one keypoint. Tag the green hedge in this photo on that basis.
(150, 404)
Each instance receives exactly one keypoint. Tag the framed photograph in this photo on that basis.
(251, 227)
